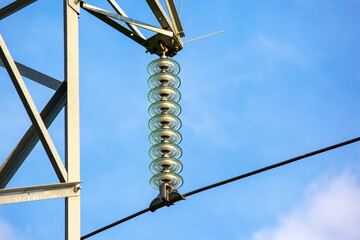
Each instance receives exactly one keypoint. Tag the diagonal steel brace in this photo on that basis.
(32, 112)
(30, 139)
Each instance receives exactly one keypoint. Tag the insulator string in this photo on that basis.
(164, 96)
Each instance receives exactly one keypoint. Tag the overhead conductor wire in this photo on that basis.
(291, 160)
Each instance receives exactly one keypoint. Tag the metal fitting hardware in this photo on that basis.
(77, 188)
(167, 197)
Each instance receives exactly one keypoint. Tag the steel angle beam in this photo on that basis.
(160, 15)
(42, 192)
(36, 76)
(125, 19)
(72, 119)
(117, 26)
(122, 13)
(14, 7)
(175, 17)
(32, 112)
(30, 139)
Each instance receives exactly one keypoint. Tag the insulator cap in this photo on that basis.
(165, 150)
(158, 93)
(162, 78)
(165, 135)
(168, 120)
(173, 179)
(163, 64)
(158, 165)
(168, 107)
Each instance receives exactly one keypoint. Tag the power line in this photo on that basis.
(115, 223)
(291, 160)
(271, 167)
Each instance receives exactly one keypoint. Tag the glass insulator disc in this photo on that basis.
(158, 136)
(165, 150)
(171, 94)
(163, 65)
(164, 121)
(164, 79)
(173, 179)
(159, 165)
(162, 107)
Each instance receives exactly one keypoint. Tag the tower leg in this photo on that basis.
(72, 124)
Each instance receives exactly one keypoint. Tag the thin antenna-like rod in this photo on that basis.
(232, 180)
(204, 36)
(180, 7)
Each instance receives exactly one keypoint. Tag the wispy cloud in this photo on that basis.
(279, 49)
(7, 232)
(330, 211)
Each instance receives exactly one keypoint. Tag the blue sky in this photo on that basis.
(282, 81)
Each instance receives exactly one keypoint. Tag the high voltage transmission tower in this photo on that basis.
(164, 112)
(66, 96)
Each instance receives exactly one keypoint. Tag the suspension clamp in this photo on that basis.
(167, 197)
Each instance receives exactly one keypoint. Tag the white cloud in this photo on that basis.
(331, 211)
(7, 232)
(282, 50)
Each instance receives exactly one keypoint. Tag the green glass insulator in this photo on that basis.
(164, 121)
(164, 93)
(172, 178)
(163, 64)
(165, 135)
(165, 164)
(165, 150)
(162, 107)
(164, 79)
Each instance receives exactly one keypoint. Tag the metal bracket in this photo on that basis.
(75, 5)
(167, 197)
(89, 7)
(43, 192)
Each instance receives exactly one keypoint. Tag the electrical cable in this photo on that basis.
(291, 160)
(115, 223)
(271, 167)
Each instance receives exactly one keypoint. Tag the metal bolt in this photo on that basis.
(76, 189)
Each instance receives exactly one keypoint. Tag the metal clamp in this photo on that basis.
(167, 197)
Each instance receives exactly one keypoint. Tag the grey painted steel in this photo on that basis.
(14, 7)
(118, 27)
(30, 139)
(42, 192)
(32, 112)
(36, 76)
(170, 4)
(160, 15)
(75, 5)
(122, 13)
(127, 20)
(72, 119)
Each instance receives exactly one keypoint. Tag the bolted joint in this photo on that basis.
(167, 197)
(77, 188)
